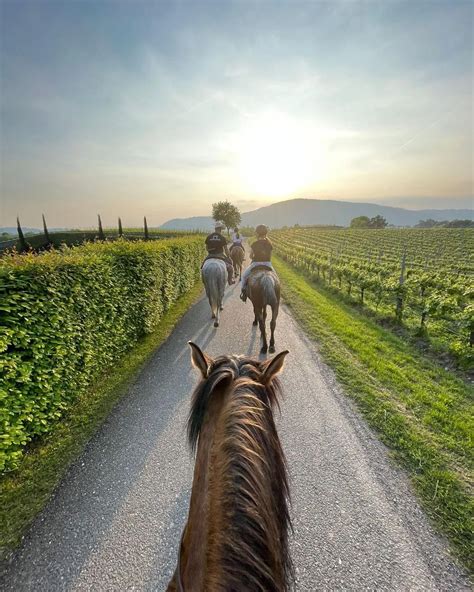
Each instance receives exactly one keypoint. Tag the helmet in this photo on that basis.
(219, 226)
(261, 230)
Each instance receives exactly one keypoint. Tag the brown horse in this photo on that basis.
(263, 288)
(236, 536)
(237, 255)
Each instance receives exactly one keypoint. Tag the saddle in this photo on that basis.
(211, 256)
(260, 268)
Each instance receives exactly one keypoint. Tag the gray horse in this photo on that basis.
(214, 277)
(264, 290)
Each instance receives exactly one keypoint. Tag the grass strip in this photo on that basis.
(25, 492)
(422, 412)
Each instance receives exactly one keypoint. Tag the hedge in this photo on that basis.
(66, 316)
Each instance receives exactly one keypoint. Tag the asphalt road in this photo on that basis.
(115, 521)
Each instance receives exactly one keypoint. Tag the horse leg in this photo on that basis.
(255, 312)
(272, 329)
(262, 321)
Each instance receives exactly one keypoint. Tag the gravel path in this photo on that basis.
(115, 521)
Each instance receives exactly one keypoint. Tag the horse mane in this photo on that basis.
(254, 493)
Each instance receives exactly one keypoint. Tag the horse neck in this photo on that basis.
(237, 527)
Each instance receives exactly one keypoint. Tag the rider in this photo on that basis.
(237, 240)
(216, 246)
(260, 253)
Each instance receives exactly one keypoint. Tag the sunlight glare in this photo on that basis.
(276, 156)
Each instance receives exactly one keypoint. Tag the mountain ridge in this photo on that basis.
(307, 211)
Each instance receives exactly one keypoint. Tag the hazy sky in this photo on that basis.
(161, 108)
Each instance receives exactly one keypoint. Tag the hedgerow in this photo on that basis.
(67, 316)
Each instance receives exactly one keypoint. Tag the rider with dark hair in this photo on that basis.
(216, 246)
(260, 253)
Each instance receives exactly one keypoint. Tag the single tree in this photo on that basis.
(360, 222)
(46, 233)
(227, 213)
(145, 225)
(120, 230)
(101, 230)
(24, 246)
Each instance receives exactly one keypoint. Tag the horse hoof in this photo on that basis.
(255, 323)
(271, 349)
(216, 323)
(213, 316)
(222, 308)
(264, 350)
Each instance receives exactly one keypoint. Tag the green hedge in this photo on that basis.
(66, 316)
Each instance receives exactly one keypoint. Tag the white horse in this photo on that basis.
(214, 277)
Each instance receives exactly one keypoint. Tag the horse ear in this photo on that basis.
(199, 359)
(274, 366)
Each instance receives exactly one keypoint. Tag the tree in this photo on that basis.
(120, 230)
(24, 246)
(46, 233)
(360, 222)
(101, 230)
(145, 228)
(227, 213)
(366, 222)
(378, 222)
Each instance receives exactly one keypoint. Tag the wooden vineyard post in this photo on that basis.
(145, 227)
(401, 281)
(330, 267)
(120, 229)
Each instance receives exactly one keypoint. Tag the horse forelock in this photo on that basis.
(227, 369)
(254, 493)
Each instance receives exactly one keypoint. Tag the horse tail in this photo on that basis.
(214, 277)
(270, 296)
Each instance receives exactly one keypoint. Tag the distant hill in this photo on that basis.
(322, 211)
(13, 231)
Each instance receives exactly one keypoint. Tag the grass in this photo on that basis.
(421, 411)
(25, 492)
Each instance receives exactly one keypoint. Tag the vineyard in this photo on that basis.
(421, 278)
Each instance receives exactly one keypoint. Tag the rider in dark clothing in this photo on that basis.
(261, 255)
(216, 246)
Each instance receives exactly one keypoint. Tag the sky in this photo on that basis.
(162, 108)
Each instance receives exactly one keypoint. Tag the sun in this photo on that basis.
(276, 156)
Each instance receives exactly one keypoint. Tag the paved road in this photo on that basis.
(115, 521)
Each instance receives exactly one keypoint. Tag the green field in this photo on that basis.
(419, 279)
(423, 412)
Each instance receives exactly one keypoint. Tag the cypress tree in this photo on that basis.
(147, 236)
(24, 246)
(48, 240)
(120, 231)
(101, 230)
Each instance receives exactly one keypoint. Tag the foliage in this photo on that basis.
(366, 222)
(421, 277)
(101, 230)
(46, 232)
(65, 317)
(24, 246)
(430, 223)
(227, 213)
